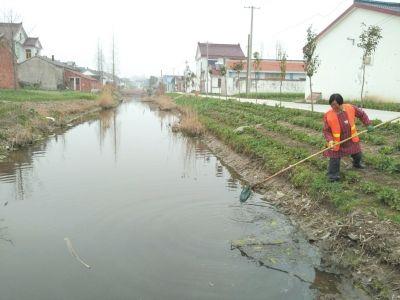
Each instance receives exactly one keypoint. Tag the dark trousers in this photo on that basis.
(334, 165)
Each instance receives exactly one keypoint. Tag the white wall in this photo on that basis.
(265, 86)
(340, 69)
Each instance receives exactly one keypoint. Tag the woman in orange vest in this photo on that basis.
(339, 124)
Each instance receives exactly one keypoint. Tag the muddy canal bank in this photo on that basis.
(358, 246)
(25, 122)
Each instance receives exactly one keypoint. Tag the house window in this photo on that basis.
(28, 53)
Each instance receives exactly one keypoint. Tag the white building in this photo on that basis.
(266, 78)
(25, 47)
(208, 57)
(341, 59)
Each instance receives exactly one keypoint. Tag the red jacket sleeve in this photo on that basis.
(362, 116)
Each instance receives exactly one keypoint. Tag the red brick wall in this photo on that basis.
(6, 67)
(86, 84)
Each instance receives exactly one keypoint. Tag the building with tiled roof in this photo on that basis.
(25, 47)
(208, 55)
(50, 74)
(341, 58)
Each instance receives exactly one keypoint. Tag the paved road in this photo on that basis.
(382, 115)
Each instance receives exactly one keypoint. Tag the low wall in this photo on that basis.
(266, 86)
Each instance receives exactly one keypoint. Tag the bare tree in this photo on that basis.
(11, 20)
(368, 41)
(113, 60)
(282, 67)
(311, 61)
(100, 61)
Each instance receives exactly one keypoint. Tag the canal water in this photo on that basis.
(155, 215)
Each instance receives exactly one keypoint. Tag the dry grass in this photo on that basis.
(106, 99)
(189, 123)
(20, 136)
(165, 103)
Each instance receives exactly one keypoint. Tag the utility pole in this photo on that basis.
(249, 50)
(207, 72)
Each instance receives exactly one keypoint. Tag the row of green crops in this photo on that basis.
(222, 118)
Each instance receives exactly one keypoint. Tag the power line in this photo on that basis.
(309, 18)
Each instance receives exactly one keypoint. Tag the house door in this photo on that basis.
(77, 84)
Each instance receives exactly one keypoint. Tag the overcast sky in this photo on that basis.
(157, 34)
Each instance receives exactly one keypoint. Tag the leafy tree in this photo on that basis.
(368, 41)
(311, 61)
(223, 72)
(189, 79)
(211, 78)
(282, 67)
(257, 67)
(238, 67)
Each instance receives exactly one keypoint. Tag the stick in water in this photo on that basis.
(73, 253)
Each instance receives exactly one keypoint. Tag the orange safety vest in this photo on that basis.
(333, 122)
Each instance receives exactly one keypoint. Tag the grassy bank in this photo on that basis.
(284, 136)
(29, 115)
(22, 95)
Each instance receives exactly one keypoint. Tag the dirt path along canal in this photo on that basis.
(154, 215)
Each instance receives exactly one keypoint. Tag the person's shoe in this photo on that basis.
(359, 166)
(333, 179)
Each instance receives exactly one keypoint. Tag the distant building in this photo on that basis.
(25, 47)
(173, 83)
(208, 57)
(267, 77)
(49, 74)
(341, 59)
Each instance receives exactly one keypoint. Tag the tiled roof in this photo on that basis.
(82, 75)
(271, 65)
(8, 28)
(31, 42)
(380, 4)
(233, 51)
(389, 8)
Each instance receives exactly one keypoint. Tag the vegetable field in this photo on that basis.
(278, 137)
